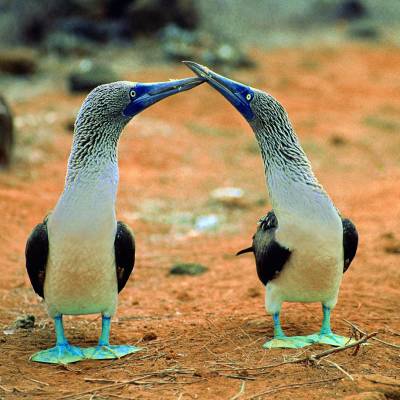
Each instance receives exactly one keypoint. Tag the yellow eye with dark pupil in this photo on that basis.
(132, 93)
(248, 97)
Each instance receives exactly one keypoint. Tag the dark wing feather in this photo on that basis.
(36, 253)
(350, 242)
(124, 246)
(269, 254)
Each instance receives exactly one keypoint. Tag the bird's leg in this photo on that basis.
(63, 352)
(281, 341)
(325, 335)
(104, 350)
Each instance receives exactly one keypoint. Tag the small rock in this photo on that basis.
(149, 336)
(253, 292)
(184, 296)
(392, 249)
(187, 269)
(227, 54)
(90, 75)
(6, 133)
(366, 396)
(229, 196)
(364, 29)
(149, 16)
(178, 44)
(350, 10)
(65, 44)
(206, 222)
(25, 322)
(337, 140)
(19, 61)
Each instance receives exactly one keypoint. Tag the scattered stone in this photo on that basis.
(149, 336)
(19, 61)
(25, 322)
(6, 133)
(364, 29)
(229, 196)
(180, 44)
(184, 296)
(337, 140)
(65, 44)
(388, 236)
(227, 54)
(187, 269)
(253, 292)
(149, 16)
(206, 222)
(89, 75)
(350, 10)
(392, 249)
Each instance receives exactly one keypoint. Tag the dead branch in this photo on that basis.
(355, 327)
(314, 357)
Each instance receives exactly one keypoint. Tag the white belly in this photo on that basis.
(314, 270)
(80, 273)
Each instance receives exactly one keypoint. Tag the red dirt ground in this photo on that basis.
(208, 330)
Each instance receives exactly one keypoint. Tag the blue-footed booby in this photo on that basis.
(303, 246)
(80, 257)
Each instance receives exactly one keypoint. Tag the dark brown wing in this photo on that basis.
(36, 253)
(124, 246)
(269, 254)
(350, 242)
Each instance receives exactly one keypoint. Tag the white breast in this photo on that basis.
(80, 274)
(309, 225)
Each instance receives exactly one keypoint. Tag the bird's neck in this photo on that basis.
(294, 191)
(92, 175)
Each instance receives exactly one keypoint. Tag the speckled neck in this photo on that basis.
(92, 153)
(292, 185)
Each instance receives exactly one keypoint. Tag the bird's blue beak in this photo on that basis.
(238, 94)
(144, 95)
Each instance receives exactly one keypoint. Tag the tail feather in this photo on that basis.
(246, 250)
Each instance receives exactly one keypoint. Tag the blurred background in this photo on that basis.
(192, 182)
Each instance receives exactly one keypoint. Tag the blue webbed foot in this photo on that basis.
(326, 336)
(60, 354)
(63, 352)
(287, 342)
(331, 339)
(281, 341)
(107, 352)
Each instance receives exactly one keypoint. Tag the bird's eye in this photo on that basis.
(132, 93)
(248, 96)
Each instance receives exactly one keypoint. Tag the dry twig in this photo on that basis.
(240, 392)
(355, 327)
(293, 385)
(341, 369)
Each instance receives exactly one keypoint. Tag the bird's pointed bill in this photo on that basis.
(144, 95)
(238, 94)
